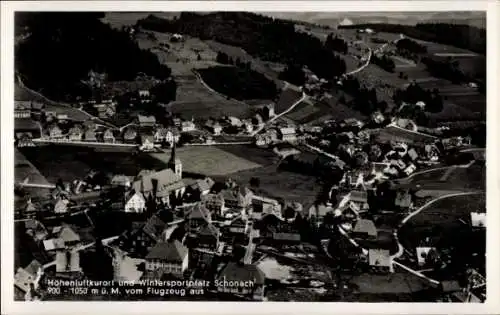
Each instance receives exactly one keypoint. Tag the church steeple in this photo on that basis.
(174, 163)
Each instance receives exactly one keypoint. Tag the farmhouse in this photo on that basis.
(198, 216)
(169, 257)
(90, 135)
(24, 139)
(135, 203)
(22, 109)
(287, 134)
(241, 279)
(109, 136)
(146, 121)
(188, 126)
(161, 185)
(55, 131)
(380, 259)
(365, 229)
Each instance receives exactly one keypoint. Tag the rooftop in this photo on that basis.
(172, 251)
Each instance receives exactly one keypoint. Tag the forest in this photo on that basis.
(269, 39)
(62, 48)
(458, 35)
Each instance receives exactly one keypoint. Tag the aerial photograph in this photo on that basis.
(250, 156)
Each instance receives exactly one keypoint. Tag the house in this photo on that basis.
(208, 237)
(172, 136)
(262, 206)
(55, 131)
(25, 278)
(22, 109)
(478, 219)
(248, 126)
(161, 185)
(215, 203)
(353, 122)
(237, 198)
(61, 206)
(234, 121)
(317, 213)
(121, 180)
(423, 254)
(380, 259)
(239, 226)
(67, 234)
(403, 200)
(420, 104)
(203, 186)
(365, 229)
(160, 135)
(75, 134)
(108, 136)
(214, 127)
(130, 135)
(359, 198)
(135, 203)
(146, 121)
(68, 261)
(90, 135)
(188, 126)
(412, 154)
(170, 257)
(242, 280)
(287, 134)
(377, 117)
(24, 139)
(53, 244)
(139, 240)
(147, 143)
(198, 216)
(35, 228)
(410, 169)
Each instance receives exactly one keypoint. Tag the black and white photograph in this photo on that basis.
(249, 156)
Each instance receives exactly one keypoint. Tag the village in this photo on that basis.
(247, 204)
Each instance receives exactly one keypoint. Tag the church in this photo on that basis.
(164, 184)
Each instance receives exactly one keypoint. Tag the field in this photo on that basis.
(208, 160)
(393, 133)
(275, 183)
(251, 153)
(23, 168)
(69, 163)
(440, 221)
(287, 97)
(269, 69)
(239, 83)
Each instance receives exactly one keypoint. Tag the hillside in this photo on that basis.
(58, 53)
(260, 36)
(458, 35)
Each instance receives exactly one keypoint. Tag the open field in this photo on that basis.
(287, 97)
(281, 184)
(251, 153)
(119, 19)
(69, 163)
(440, 221)
(269, 69)
(396, 283)
(208, 160)
(23, 169)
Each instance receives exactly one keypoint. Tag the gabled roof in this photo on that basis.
(199, 211)
(154, 227)
(358, 196)
(209, 230)
(53, 244)
(239, 272)
(68, 235)
(23, 279)
(146, 119)
(167, 181)
(172, 251)
(33, 267)
(365, 226)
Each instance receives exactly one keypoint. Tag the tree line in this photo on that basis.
(384, 62)
(459, 35)
(62, 47)
(336, 44)
(267, 38)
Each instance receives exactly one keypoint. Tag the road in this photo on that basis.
(302, 98)
(368, 59)
(21, 84)
(414, 213)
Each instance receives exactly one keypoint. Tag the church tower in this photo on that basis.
(175, 164)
